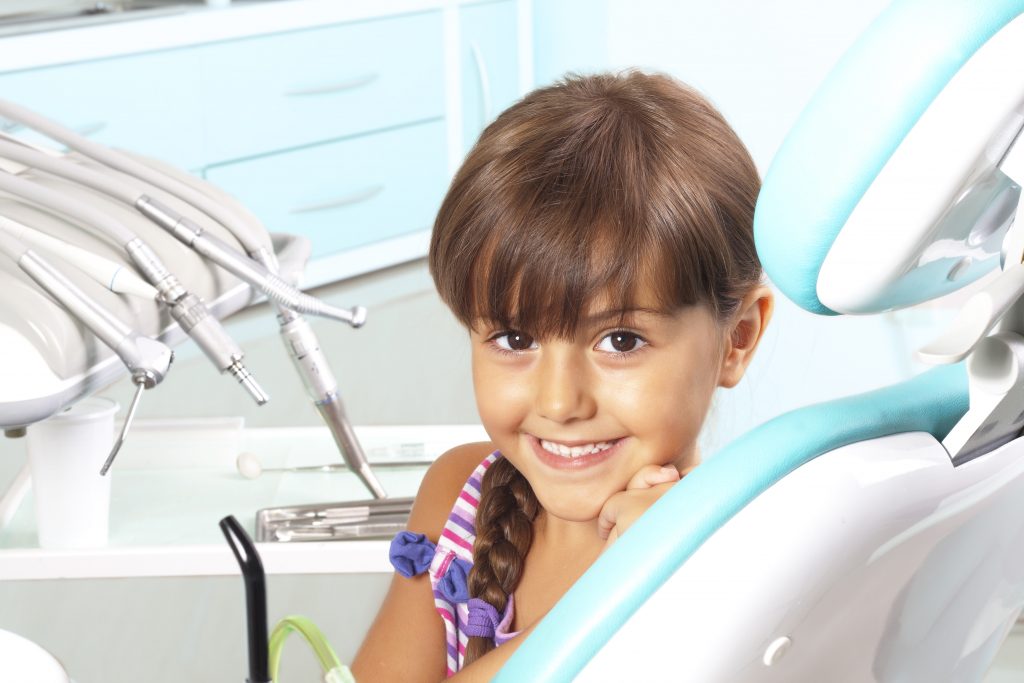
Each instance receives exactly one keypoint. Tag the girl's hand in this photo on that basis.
(622, 509)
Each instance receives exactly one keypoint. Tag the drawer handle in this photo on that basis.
(350, 84)
(354, 198)
(485, 82)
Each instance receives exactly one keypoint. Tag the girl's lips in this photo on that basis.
(559, 462)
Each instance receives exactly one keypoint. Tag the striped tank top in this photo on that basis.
(449, 562)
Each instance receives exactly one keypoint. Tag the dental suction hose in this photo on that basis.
(255, 598)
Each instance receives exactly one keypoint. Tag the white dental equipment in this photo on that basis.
(296, 333)
(877, 537)
(147, 359)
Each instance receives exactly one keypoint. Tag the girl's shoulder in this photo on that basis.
(441, 487)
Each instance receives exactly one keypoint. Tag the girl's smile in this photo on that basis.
(574, 455)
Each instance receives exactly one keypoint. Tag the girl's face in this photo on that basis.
(579, 418)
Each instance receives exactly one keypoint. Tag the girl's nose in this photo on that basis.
(563, 387)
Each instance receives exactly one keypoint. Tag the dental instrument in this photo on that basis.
(250, 467)
(147, 360)
(185, 307)
(877, 537)
(185, 230)
(334, 521)
(297, 335)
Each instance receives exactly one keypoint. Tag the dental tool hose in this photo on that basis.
(147, 360)
(185, 230)
(298, 336)
(185, 307)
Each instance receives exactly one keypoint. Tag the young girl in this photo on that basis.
(597, 244)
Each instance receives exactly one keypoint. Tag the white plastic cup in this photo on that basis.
(65, 454)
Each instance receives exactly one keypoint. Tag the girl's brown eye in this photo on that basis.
(621, 342)
(514, 341)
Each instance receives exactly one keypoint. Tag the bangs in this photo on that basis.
(549, 289)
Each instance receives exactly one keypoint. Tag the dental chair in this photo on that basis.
(878, 537)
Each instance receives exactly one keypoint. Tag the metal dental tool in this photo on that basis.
(147, 359)
(298, 336)
(185, 307)
(250, 467)
(187, 231)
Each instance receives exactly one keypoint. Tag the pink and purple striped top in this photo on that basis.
(449, 565)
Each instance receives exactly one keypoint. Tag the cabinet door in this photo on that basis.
(489, 64)
(346, 194)
(148, 103)
(272, 93)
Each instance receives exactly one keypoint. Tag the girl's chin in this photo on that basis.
(570, 508)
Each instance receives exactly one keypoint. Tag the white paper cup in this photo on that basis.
(65, 455)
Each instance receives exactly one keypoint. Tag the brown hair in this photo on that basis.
(595, 185)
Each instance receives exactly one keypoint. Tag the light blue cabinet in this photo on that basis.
(271, 93)
(490, 64)
(149, 103)
(336, 132)
(346, 194)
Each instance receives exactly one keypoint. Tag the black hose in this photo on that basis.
(255, 597)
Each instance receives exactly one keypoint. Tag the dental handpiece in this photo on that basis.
(187, 309)
(243, 267)
(186, 231)
(147, 360)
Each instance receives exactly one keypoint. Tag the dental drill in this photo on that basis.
(298, 336)
(147, 360)
(185, 307)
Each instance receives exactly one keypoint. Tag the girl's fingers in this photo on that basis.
(652, 475)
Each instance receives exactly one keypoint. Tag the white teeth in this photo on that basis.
(574, 451)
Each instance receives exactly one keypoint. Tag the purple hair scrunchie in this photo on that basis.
(483, 619)
(453, 585)
(411, 553)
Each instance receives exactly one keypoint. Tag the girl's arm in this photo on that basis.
(406, 642)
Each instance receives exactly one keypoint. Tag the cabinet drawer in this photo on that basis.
(148, 103)
(346, 194)
(273, 93)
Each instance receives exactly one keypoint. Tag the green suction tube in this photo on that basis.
(334, 670)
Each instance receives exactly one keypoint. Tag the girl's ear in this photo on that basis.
(744, 334)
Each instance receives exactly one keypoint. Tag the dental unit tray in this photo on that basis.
(334, 521)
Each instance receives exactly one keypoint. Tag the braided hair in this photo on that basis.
(504, 523)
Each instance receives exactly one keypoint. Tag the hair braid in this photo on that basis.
(504, 531)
